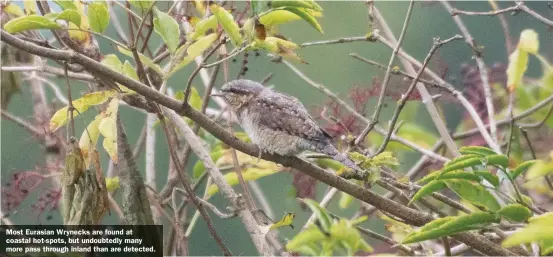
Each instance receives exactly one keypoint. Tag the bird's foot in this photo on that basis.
(259, 156)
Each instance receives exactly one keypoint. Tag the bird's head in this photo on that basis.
(238, 92)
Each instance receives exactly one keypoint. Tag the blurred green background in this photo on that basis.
(329, 65)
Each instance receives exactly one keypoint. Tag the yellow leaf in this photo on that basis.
(345, 200)
(200, 6)
(193, 51)
(195, 99)
(202, 27)
(81, 36)
(14, 9)
(227, 22)
(286, 220)
(276, 17)
(248, 175)
(129, 71)
(112, 183)
(108, 128)
(89, 138)
(112, 61)
(518, 62)
(279, 46)
(30, 7)
(81, 105)
(145, 60)
(529, 41)
(540, 168)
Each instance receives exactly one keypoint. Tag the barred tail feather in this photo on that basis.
(331, 151)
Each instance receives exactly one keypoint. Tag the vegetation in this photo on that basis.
(484, 189)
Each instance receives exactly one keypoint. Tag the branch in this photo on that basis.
(520, 6)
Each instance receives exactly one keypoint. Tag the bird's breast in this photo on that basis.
(268, 139)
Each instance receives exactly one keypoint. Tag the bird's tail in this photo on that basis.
(331, 151)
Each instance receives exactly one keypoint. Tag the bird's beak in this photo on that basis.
(217, 94)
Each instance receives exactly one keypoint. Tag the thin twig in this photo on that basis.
(425, 95)
(483, 70)
(198, 68)
(374, 118)
(437, 44)
(520, 6)
(190, 192)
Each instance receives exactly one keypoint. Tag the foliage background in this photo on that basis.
(330, 65)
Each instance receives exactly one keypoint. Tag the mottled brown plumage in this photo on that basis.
(276, 122)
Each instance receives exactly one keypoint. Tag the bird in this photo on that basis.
(278, 123)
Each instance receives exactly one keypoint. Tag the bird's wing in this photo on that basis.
(286, 113)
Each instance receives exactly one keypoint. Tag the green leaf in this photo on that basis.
(145, 60)
(81, 105)
(227, 22)
(71, 16)
(472, 220)
(194, 50)
(248, 174)
(476, 150)
(307, 237)
(541, 168)
(66, 4)
(546, 246)
(435, 224)
(497, 159)
(451, 225)
(108, 129)
(474, 193)
(129, 71)
(322, 215)
(515, 212)
(344, 232)
(291, 3)
(464, 161)
(539, 228)
(98, 16)
(458, 174)
(199, 167)
(113, 62)
(167, 28)
(143, 5)
(112, 183)
(195, 99)
(521, 168)
(202, 27)
(518, 63)
(487, 175)
(14, 9)
(345, 200)
(306, 16)
(29, 22)
(428, 189)
(529, 41)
